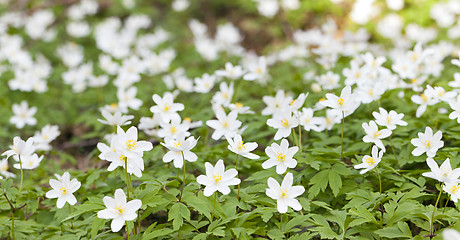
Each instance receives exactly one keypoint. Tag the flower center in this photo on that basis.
(130, 144)
(177, 144)
(377, 134)
(340, 102)
(120, 210)
(281, 157)
(427, 143)
(63, 190)
(292, 102)
(225, 124)
(370, 161)
(389, 120)
(240, 146)
(166, 107)
(284, 122)
(122, 158)
(454, 189)
(238, 105)
(217, 179)
(284, 193)
(173, 130)
(414, 80)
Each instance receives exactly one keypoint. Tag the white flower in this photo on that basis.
(427, 142)
(63, 189)
(4, 169)
(117, 119)
(179, 150)
(119, 210)
(217, 179)
(345, 103)
(307, 120)
(389, 119)
(280, 156)
(284, 122)
(224, 95)
(423, 100)
(23, 115)
(230, 71)
(455, 105)
(28, 161)
(225, 124)
(277, 103)
(166, 106)
(285, 194)
(374, 135)
(257, 69)
(174, 128)
(240, 108)
(454, 190)
(450, 234)
(127, 141)
(20, 147)
(237, 146)
(43, 138)
(369, 162)
(444, 173)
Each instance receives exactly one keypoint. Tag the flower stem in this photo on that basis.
(214, 206)
(392, 148)
(127, 179)
(434, 209)
(281, 222)
(343, 126)
(380, 181)
(300, 138)
(22, 175)
(445, 206)
(236, 167)
(70, 214)
(183, 181)
(12, 224)
(127, 230)
(294, 138)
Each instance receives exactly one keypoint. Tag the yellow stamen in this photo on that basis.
(63, 190)
(240, 146)
(238, 105)
(281, 157)
(217, 179)
(284, 122)
(130, 144)
(454, 189)
(284, 193)
(120, 210)
(427, 143)
(370, 161)
(340, 101)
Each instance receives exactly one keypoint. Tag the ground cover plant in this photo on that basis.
(247, 119)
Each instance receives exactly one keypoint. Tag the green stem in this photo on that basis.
(70, 214)
(294, 138)
(392, 148)
(12, 224)
(300, 138)
(127, 179)
(445, 206)
(214, 206)
(127, 230)
(432, 215)
(380, 181)
(183, 181)
(281, 222)
(343, 126)
(236, 167)
(20, 164)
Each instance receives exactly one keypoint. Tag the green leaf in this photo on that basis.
(97, 225)
(177, 213)
(335, 182)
